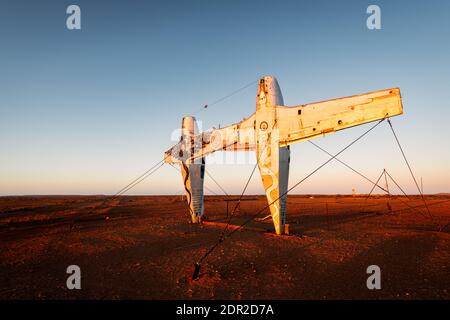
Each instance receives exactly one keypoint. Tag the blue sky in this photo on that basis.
(86, 111)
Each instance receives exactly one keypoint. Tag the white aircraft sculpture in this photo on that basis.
(270, 131)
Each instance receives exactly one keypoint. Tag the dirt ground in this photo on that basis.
(142, 247)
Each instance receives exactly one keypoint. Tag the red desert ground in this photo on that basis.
(142, 247)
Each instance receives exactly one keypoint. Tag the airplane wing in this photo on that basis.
(236, 137)
(309, 121)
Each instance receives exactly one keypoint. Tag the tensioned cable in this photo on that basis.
(240, 198)
(245, 188)
(225, 97)
(246, 184)
(158, 165)
(128, 187)
(396, 184)
(375, 184)
(192, 159)
(409, 167)
(404, 193)
(234, 209)
(209, 189)
(216, 182)
(140, 180)
(124, 189)
(187, 205)
(135, 181)
(342, 162)
(144, 175)
(204, 186)
(222, 235)
(131, 185)
(315, 170)
(290, 189)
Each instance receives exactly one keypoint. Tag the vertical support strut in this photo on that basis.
(193, 172)
(273, 160)
(273, 165)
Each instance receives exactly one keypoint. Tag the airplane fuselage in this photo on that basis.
(270, 131)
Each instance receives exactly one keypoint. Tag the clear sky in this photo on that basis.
(86, 111)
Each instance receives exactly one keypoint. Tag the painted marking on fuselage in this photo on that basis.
(186, 178)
